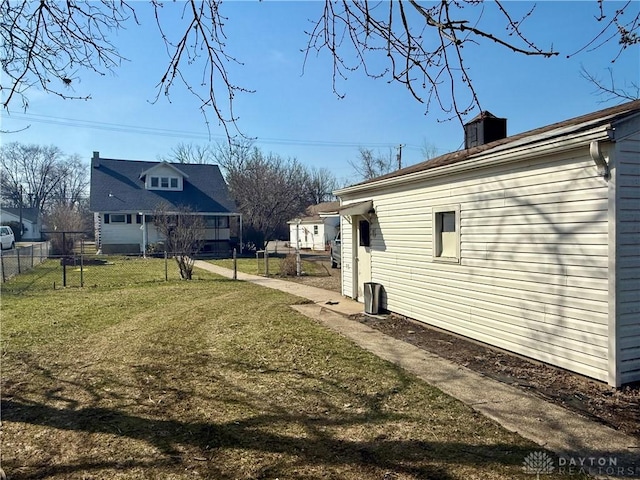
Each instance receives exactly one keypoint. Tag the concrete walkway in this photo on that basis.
(550, 426)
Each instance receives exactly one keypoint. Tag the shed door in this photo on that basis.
(362, 250)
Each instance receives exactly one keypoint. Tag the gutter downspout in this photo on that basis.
(598, 159)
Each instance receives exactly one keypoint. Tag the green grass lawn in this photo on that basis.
(217, 379)
(102, 271)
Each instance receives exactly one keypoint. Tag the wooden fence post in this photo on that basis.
(235, 265)
(166, 267)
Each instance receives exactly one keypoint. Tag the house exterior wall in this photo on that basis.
(346, 257)
(32, 232)
(121, 237)
(307, 239)
(626, 309)
(532, 276)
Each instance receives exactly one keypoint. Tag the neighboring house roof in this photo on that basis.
(28, 214)
(317, 213)
(118, 185)
(546, 133)
(323, 208)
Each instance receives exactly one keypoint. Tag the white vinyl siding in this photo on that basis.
(347, 267)
(627, 262)
(313, 236)
(533, 271)
(119, 232)
(164, 177)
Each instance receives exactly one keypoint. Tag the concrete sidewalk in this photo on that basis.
(550, 426)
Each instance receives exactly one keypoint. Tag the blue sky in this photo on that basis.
(298, 115)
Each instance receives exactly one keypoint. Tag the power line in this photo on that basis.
(163, 132)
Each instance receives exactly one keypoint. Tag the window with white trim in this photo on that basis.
(164, 183)
(446, 233)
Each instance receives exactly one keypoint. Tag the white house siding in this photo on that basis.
(121, 233)
(313, 241)
(346, 261)
(533, 275)
(627, 278)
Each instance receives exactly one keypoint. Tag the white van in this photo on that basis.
(7, 240)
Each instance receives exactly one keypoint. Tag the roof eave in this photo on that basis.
(491, 158)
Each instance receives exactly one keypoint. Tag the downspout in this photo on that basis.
(598, 159)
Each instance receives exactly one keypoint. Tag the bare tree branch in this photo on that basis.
(371, 165)
(423, 45)
(50, 44)
(183, 231)
(45, 43)
(203, 41)
(610, 91)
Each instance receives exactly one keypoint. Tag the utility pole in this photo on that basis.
(400, 156)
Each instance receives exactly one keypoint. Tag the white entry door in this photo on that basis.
(362, 249)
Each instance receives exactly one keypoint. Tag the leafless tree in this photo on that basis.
(190, 153)
(30, 173)
(268, 189)
(50, 44)
(73, 182)
(63, 217)
(321, 183)
(428, 150)
(184, 234)
(609, 90)
(370, 164)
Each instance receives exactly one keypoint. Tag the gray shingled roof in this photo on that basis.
(116, 187)
(30, 214)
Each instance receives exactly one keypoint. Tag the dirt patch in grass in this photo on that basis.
(218, 379)
(619, 408)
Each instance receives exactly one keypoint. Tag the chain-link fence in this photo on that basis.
(22, 259)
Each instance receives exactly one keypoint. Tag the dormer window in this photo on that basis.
(164, 183)
(164, 176)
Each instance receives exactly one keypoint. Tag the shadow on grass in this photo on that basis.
(400, 456)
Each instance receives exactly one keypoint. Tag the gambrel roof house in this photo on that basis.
(125, 194)
(530, 243)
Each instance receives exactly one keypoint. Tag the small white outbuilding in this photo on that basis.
(316, 228)
(530, 243)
